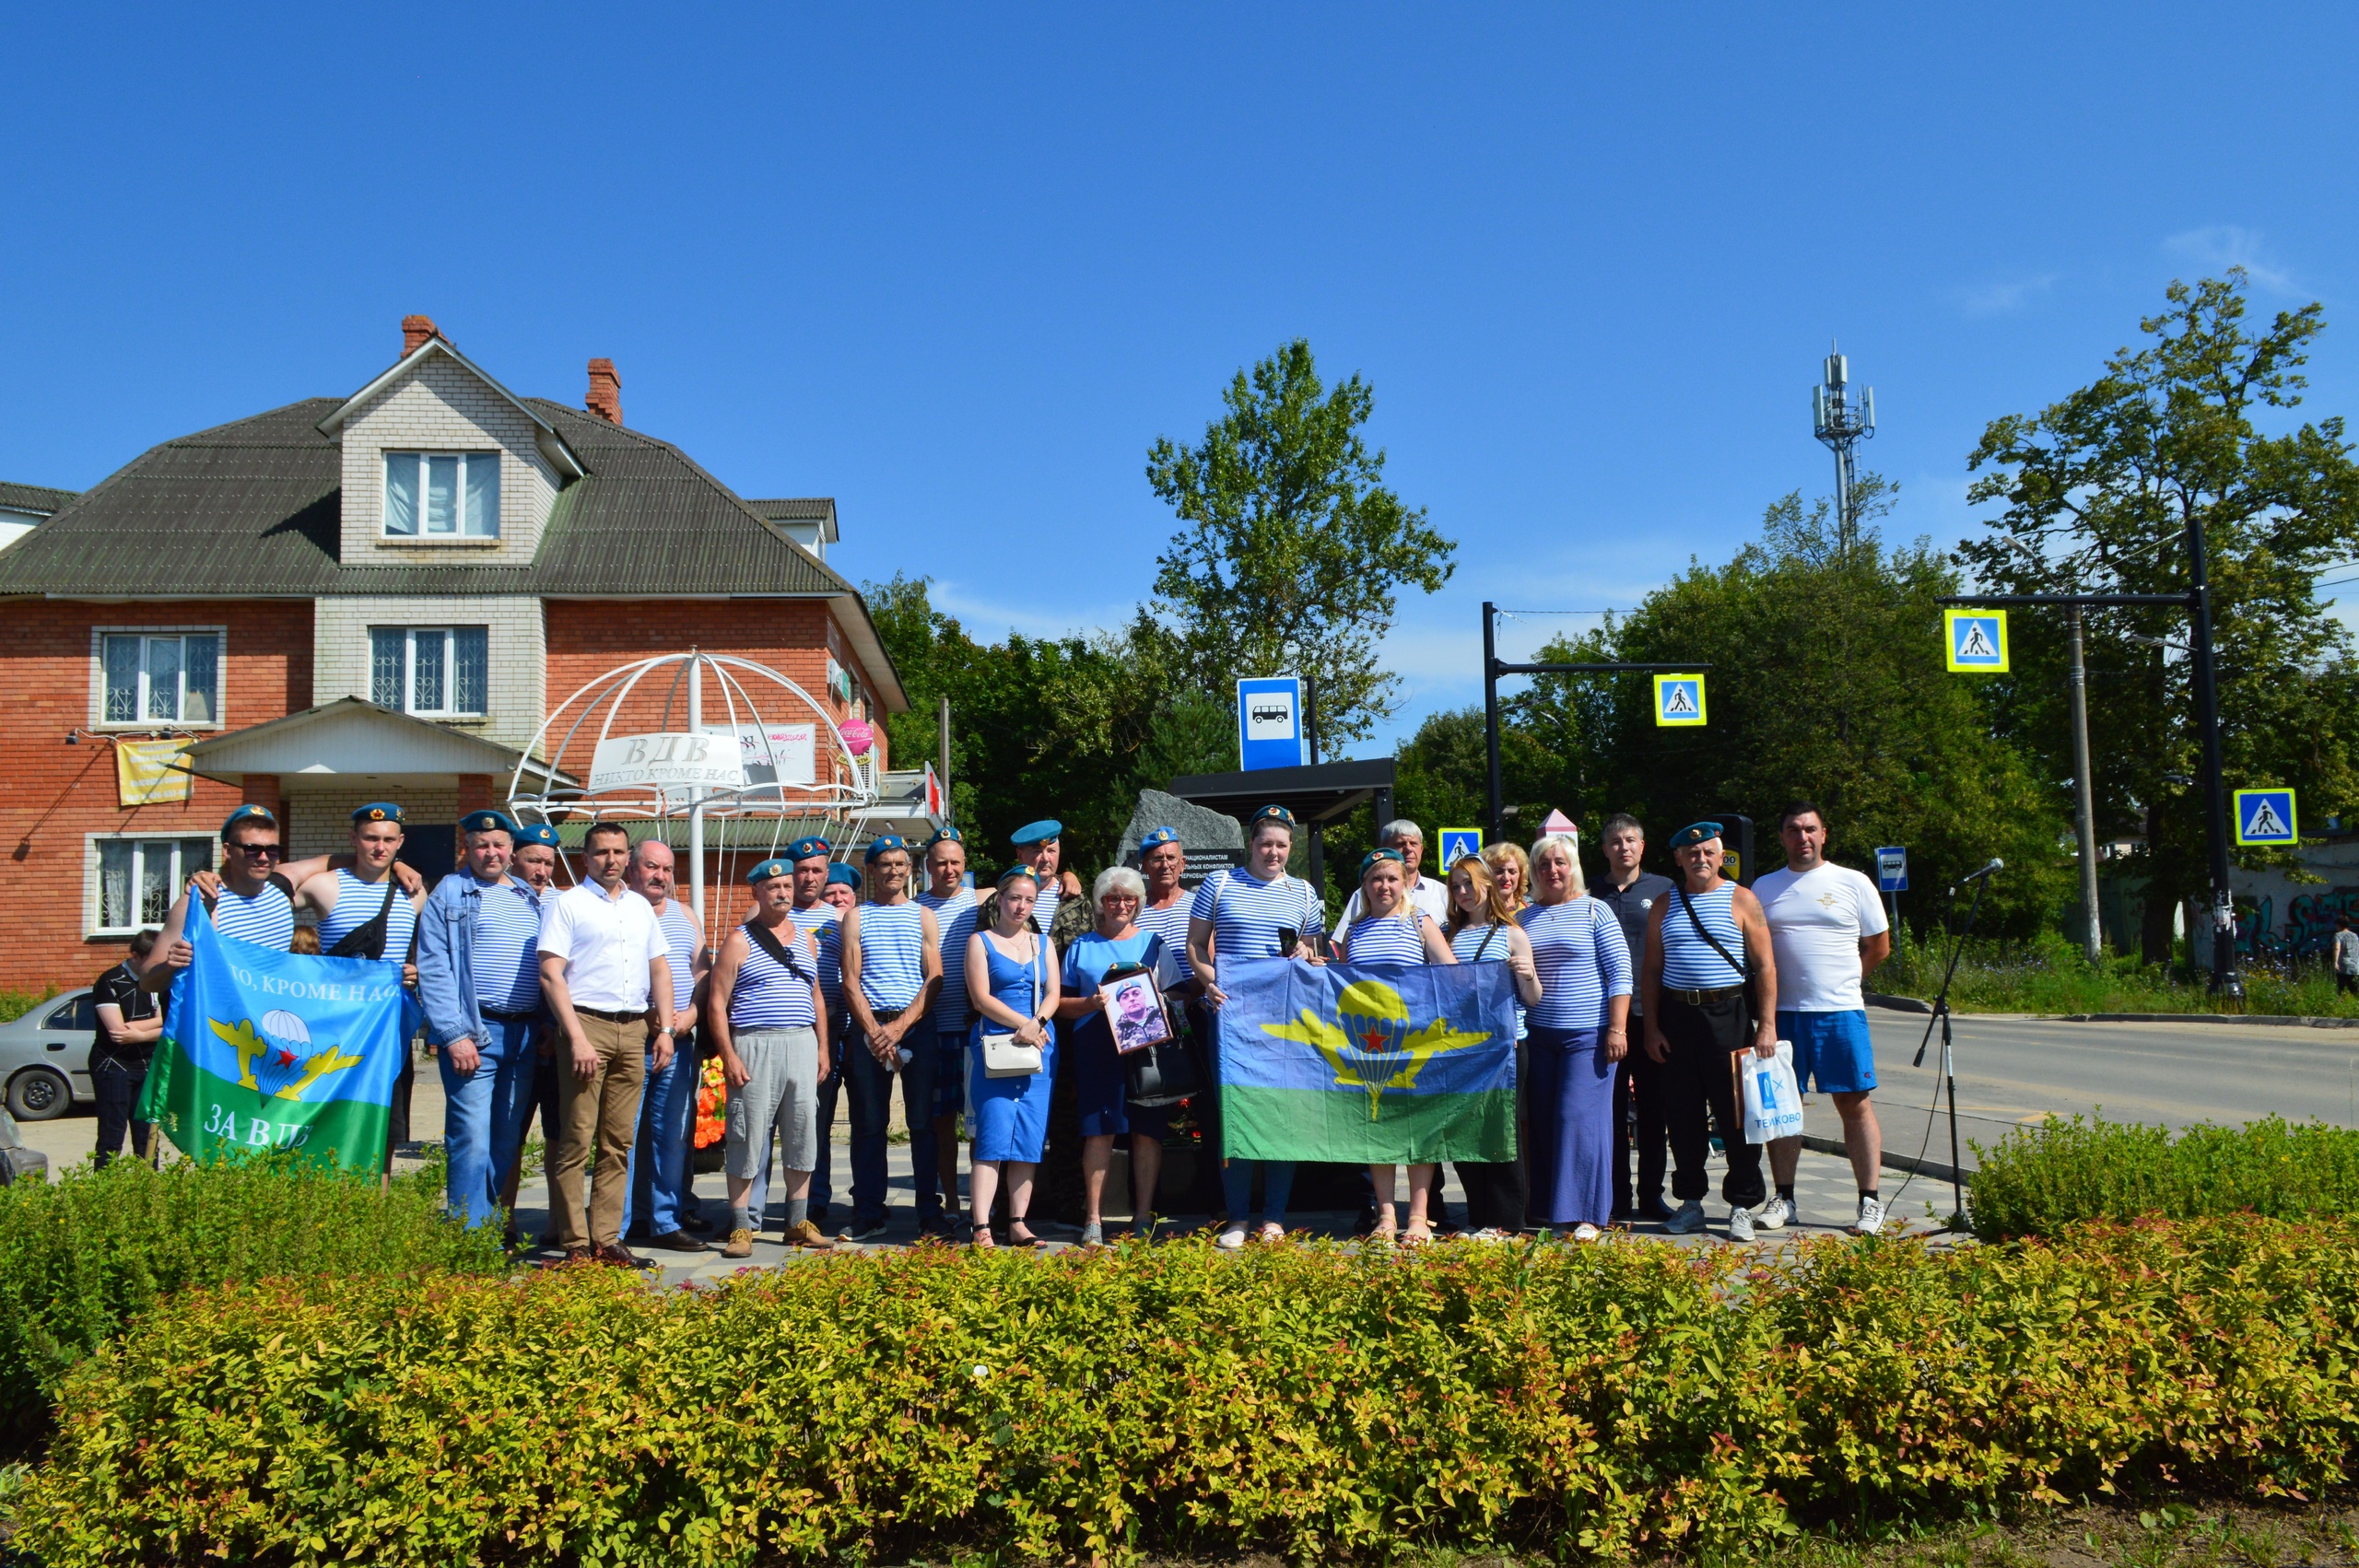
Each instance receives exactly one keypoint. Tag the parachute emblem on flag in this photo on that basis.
(279, 1059)
(1374, 1048)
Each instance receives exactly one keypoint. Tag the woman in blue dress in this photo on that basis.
(1087, 1042)
(1394, 935)
(1578, 1034)
(1011, 981)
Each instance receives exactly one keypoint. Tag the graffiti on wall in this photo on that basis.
(2309, 921)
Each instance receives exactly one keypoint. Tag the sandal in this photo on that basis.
(982, 1239)
(1273, 1232)
(1387, 1229)
(1417, 1235)
(1025, 1240)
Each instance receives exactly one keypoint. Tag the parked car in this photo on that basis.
(45, 1057)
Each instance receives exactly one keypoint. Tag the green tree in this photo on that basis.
(2099, 492)
(1827, 683)
(1292, 548)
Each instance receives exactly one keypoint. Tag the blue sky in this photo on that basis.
(960, 268)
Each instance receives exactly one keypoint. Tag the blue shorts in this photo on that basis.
(950, 1073)
(1832, 1048)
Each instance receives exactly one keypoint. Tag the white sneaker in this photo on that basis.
(1231, 1239)
(1489, 1233)
(1686, 1220)
(1871, 1220)
(1740, 1224)
(1776, 1215)
(1585, 1232)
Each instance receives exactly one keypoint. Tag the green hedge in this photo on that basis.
(81, 1255)
(2041, 1179)
(1627, 1399)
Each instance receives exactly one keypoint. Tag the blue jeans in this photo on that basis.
(871, 1109)
(659, 1152)
(483, 1117)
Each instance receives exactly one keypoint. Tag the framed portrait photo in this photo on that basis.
(1134, 1012)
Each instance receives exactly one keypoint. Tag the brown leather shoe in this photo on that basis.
(807, 1234)
(741, 1245)
(621, 1256)
(677, 1241)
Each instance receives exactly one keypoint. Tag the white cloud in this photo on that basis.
(2002, 297)
(2222, 246)
(987, 620)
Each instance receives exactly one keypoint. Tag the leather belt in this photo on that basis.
(506, 1016)
(1698, 999)
(886, 1014)
(610, 1017)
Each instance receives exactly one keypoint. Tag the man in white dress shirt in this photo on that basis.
(1426, 893)
(607, 975)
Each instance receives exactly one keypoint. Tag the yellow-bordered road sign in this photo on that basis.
(2265, 816)
(1679, 699)
(1977, 641)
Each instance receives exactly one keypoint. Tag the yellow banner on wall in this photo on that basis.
(149, 773)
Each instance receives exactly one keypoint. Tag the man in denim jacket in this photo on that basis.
(478, 973)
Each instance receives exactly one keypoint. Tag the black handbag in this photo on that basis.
(1172, 1068)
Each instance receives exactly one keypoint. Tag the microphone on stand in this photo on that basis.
(1996, 865)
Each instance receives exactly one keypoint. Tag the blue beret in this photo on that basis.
(1160, 836)
(772, 867)
(1037, 832)
(378, 811)
(839, 873)
(945, 836)
(538, 833)
(1017, 870)
(807, 849)
(1375, 857)
(486, 822)
(1269, 813)
(1695, 833)
(885, 843)
(246, 813)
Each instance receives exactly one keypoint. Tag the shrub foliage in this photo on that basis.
(2042, 1178)
(1605, 1401)
(80, 1257)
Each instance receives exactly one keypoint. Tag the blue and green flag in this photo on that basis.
(1391, 1066)
(263, 1049)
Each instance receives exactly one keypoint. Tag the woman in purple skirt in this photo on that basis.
(1578, 1034)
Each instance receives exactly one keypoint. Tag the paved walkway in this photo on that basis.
(1824, 1191)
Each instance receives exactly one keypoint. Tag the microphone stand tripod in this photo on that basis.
(1949, 1071)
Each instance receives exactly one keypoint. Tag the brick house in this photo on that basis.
(364, 597)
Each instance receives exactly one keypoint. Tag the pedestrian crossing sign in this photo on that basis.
(1679, 699)
(2265, 816)
(1457, 843)
(1977, 644)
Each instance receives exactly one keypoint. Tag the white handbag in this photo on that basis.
(1003, 1057)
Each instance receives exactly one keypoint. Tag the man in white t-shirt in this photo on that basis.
(1827, 928)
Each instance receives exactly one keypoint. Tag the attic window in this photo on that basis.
(441, 495)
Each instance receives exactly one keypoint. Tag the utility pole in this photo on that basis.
(1842, 425)
(2093, 940)
(1317, 866)
(1494, 667)
(942, 743)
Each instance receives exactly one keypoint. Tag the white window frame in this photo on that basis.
(461, 534)
(99, 719)
(448, 634)
(94, 883)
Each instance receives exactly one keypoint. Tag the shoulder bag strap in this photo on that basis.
(367, 940)
(1743, 974)
(1484, 945)
(780, 955)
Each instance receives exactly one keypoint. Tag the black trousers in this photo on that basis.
(1700, 1083)
(1640, 1125)
(118, 1082)
(1495, 1190)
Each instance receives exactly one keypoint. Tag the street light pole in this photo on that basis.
(2227, 981)
(1496, 827)
(2093, 940)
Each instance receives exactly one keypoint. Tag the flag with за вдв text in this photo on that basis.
(263, 1049)
(1367, 1065)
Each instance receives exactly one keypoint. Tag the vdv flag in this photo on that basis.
(263, 1049)
(1383, 1065)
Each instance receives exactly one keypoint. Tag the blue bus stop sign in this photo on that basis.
(1892, 869)
(1269, 724)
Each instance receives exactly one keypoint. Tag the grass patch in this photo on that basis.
(1629, 1400)
(2049, 974)
(83, 1255)
(2039, 1179)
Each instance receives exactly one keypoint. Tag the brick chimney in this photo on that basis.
(606, 398)
(416, 330)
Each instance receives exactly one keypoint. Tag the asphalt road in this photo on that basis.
(2014, 1071)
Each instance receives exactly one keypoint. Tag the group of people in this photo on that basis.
(595, 1004)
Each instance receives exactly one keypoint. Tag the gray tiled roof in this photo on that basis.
(253, 508)
(37, 499)
(796, 508)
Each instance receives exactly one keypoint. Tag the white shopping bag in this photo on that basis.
(1773, 1101)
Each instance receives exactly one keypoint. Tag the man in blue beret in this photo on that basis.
(479, 980)
(955, 905)
(536, 863)
(1707, 952)
(1040, 845)
(891, 955)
